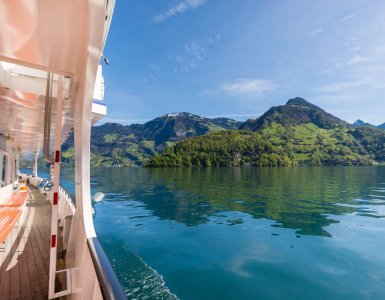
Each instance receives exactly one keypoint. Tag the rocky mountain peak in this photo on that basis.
(298, 101)
(359, 123)
(296, 111)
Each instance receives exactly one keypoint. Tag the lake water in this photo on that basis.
(244, 233)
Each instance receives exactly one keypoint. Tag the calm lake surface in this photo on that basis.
(244, 233)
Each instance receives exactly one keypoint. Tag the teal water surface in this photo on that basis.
(244, 233)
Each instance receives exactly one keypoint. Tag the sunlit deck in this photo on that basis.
(24, 269)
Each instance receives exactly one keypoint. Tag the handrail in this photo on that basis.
(68, 199)
(70, 195)
(108, 282)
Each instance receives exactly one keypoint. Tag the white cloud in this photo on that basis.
(215, 39)
(316, 31)
(346, 17)
(196, 51)
(122, 121)
(357, 59)
(179, 8)
(193, 56)
(235, 116)
(248, 87)
(381, 48)
(339, 87)
(339, 102)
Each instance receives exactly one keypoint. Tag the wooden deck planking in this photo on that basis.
(24, 272)
(15, 270)
(5, 281)
(26, 291)
(42, 241)
(36, 289)
(42, 273)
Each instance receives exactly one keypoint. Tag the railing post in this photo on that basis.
(35, 166)
(55, 189)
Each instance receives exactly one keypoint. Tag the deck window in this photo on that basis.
(15, 170)
(3, 142)
(3, 171)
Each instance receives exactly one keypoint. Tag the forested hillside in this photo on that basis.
(278, 146)
(297, 133)
(114, 144)
(294, 134)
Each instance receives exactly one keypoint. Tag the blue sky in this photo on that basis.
(238, 58)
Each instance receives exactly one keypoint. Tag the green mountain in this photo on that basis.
(296, 111)
(297, 133)
(359, 122)
(364, 124)
(177, 126)
(382, 126)
(117, 145)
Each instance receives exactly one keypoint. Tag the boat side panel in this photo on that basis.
(6, 192)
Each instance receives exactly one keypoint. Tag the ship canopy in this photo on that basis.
(40, 42)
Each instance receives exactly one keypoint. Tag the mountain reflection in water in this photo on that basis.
(244, 233)
(298, 198)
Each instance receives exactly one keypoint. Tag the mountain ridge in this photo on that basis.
(296, 111)
(114, 144)
(359, 122)
(296, 133)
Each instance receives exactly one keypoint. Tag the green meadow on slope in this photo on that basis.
(114, 144)
(297, 133)
(294, 134)
(277, 146)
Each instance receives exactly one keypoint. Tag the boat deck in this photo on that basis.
(24, 269)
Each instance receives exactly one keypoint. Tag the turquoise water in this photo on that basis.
(244, 233)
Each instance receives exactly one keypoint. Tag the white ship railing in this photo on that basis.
(108, 282)
(100, 271)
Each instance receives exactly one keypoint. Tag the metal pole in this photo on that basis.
(55, 189)
(47, 119)
(82, 138)
(35, 164)
(12, 160)
(17, 169)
